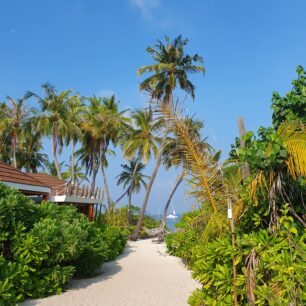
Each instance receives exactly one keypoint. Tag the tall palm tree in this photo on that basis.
(171, 69)
(132, 178)
(115, 122)
(54, 120)
(5, 137)
(103, 124)
(75, 109)
(142, 139)
(90, 154)
(16, 115)
(29, 155)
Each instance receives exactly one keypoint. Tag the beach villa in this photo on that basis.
(44, 187)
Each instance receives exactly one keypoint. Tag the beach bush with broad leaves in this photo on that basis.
(268, 211)
(43, 246)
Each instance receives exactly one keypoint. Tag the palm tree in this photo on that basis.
(103, 124)
(5, 137)
(29, 155)
(75, 176)
(51, 168)
(75, 109)
(90, 154)
(142, 140)
(171, 69)
(15, 117)
(54, 120)
(132, 178)
(114, 124)
(172, 66)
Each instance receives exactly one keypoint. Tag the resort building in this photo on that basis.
(25, 183)
(44, 187)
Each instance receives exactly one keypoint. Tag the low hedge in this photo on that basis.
(43, 246)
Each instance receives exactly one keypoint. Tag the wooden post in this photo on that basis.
(231, 219)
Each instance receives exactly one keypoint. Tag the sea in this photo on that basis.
(170, 222)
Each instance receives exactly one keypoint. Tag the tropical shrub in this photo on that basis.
(118, 217)
(269, 214)
(43, 246)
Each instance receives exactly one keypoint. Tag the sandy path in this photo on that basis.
(143, 275)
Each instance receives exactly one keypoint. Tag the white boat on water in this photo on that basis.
(172, 216)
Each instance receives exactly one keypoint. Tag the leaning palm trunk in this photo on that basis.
(54, 148)
(163, 222)
(121, 197)
(109, 202)
(129, 208)
(136, 233)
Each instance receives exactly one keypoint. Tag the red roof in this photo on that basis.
(13, 175)
(54, 182)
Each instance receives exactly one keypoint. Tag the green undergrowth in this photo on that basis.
(119, 217)
(43, 246)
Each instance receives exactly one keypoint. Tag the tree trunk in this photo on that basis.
(122, 196)
(245, 168)
(129, 208)
(94, 175)
(54, 148)
(14, 145)
(136, 233)
(109, 202)
(72, 162)
(178, 182)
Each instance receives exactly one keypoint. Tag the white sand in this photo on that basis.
(143, 275)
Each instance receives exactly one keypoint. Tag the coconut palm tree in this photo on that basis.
(103, 124)
(171, 69)
(142, 139)
(5, 137)
(29, 155)
(75, 176)
(54, 120)
(132, 178)
(16, 115)
(90, 154)
(75, 109)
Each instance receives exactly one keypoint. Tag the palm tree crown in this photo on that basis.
(172, 67)
(132, 177)
(142, 140)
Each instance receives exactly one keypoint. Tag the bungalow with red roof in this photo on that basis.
(43, 186)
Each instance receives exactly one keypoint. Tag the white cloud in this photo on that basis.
(146, 7)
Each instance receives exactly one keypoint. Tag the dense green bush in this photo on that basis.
(43, 246)
(117, 217)
(269, 215)
(276, 259)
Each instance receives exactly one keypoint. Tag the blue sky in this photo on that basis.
(250, 49)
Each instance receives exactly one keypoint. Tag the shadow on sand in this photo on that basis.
(105, 272)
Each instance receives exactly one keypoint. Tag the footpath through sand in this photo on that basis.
(144, 275)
